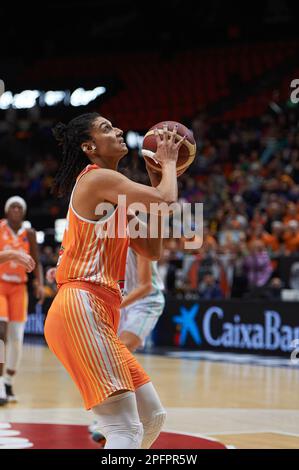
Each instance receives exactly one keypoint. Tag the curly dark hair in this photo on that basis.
(74, 160)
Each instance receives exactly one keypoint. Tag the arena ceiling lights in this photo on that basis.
(30, 98)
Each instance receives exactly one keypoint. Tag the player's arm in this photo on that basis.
(152, 245)
(144, 274)
(107, 184)
(38, 271)
(18, 257)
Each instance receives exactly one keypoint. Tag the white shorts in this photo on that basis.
(141, 317)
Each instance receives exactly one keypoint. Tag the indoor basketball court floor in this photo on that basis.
(211, 402)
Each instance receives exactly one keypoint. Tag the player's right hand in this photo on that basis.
(50, 275)
(167, 147)
(25, 260)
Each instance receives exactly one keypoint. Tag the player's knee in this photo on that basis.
(156, 421)
(132, 346)
(124, 437)
(153, 427)
(132, 342)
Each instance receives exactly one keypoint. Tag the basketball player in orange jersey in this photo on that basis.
(141, 307)
(19, 254)
(81, 325)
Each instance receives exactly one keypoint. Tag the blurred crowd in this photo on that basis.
(246, 174)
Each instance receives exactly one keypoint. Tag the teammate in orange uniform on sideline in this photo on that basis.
(81, 325)
(18, 255)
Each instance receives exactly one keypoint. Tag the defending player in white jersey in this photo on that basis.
(143, 302)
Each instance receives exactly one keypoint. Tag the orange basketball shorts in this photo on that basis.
(13, 301)
(81, 330)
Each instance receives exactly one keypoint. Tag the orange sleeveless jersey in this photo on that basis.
(87, 257)
(9, 240)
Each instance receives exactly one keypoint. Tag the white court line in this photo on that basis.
(5, 426)
(202, 436)
(287, 433)
(9, 433)
(25, 445)
(254, 431)
(191, 434)
(13, 440)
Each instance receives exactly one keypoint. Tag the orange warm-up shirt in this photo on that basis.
(9, 240)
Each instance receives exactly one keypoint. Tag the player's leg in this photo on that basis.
(131, 340)
(3, 334)
(81, 330)
(138, 322)
(15, 336)
(17, 307)
(119, 421)
(151, 412)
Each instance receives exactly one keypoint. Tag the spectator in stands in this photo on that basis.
(209, 289)
(291, 213)
(257, 265)
(277, 229)
(240, 281)
(274, 289)
(291, 236)
(274, 213)
(246, 174)
(173, 257)
(270, 240)
(294, 276)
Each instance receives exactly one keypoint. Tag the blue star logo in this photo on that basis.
(188, 324)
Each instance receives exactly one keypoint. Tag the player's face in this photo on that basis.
(108, 139)
(15, 213)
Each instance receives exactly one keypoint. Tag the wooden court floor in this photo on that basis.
(253, 407)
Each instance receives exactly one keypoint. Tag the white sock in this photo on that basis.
(15, 334)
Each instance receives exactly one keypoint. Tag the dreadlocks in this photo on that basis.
(70, 137)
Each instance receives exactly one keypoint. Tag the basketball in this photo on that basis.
(186, 153)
